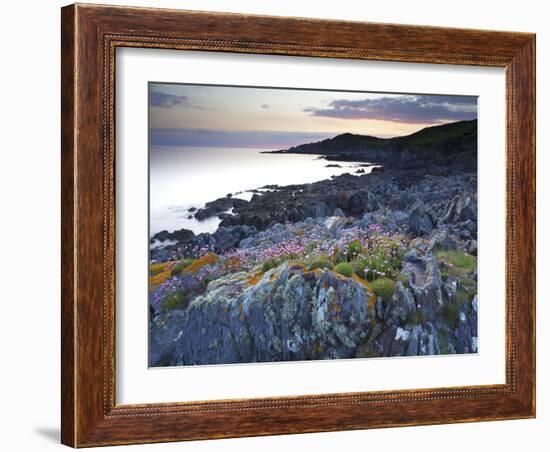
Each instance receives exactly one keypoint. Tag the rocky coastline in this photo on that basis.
(360, 265)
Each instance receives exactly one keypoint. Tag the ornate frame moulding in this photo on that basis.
(90, 36)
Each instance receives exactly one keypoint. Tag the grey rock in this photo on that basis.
(288, 315)
(461, 208)
(401, 305)
(420, 221)
(227, 238)
(422, 273)
(339, 213)
(441, 239)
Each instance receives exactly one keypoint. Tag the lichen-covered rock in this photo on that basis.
(466, 335)
(287, 314)
(165, 331)
(401, 306)
(415, 340)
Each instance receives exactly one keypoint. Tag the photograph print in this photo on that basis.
(296, 225)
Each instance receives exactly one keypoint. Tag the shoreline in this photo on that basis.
(358, 265)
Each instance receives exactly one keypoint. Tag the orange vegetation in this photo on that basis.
(254, 279)
(195, 266)
(160, 273)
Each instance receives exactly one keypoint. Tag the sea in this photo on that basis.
(182, 178)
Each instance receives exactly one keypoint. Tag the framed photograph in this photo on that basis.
(282, 225)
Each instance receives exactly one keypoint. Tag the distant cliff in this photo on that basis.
(447, 143)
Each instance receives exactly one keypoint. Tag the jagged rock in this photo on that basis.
(383, 342)
(230, 237)
(276, 234)
(466, 335)
(424, 281)
(420, 221)
(218, 206)
(450, 288)
(339, 213)
(471, 246)
(401, 305)
(407, 341)
(289, 314)
(181, 235)
(461, 208)
(321, 210)
(362, 201)
(441, 239)
(400, 217)
(164, 333)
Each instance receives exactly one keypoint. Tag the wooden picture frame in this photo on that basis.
(90, 36)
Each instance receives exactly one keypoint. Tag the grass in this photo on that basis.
(180, 266)
(451, 310)
(458, 259)
(383, 287)
(269, 264)
(345, 269)
(172, 301)
(155, 269)
(354, 248)
(321, 263)
(438, 134)
(416, 318)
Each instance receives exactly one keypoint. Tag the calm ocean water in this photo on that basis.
(185, 177)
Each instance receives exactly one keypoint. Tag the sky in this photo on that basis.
(223, 116)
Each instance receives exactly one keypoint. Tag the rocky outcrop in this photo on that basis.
(424, 280)
(289, 314)
(213, 208)
(420, 220)
(263, 287)
(461, 208)
(227, 238)
(181, 235)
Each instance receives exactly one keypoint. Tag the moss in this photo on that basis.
(458, 259)
(451, 311)
(443, 343)
(320, 263)
(338, 255)
(383, 287)
(155, 269)
(269, 264)
(180, 266)
(172, 301)
(417, 317)
(345, 269)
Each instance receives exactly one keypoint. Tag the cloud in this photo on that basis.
(265, 106)
(165, 100)
(406, 108)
